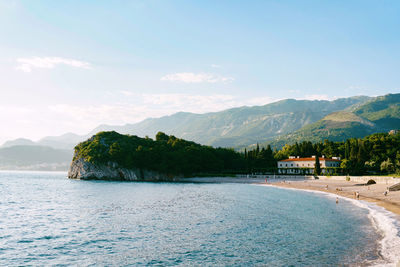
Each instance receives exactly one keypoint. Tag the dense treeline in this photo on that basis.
(260, 160)
(165, 154)
(377, 153)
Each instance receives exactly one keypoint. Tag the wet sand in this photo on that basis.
(371, 193)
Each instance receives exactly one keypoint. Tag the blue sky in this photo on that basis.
(67, 66)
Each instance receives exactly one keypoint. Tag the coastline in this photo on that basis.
(384, 213)
(370, 193)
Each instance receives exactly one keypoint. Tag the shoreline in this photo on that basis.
(384, 211)
(370, 193)
(384, 214)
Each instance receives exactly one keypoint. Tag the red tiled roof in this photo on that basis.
(310, 159)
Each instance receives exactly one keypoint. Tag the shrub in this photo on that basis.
(371, 181)
(347, 178)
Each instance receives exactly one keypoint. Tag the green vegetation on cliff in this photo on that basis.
(376, 153)
(166, 154)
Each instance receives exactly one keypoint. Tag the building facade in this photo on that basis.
(297, 165)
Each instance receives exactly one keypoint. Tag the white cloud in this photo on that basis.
(317, 97)
(172, 103)
(189, 103)
(28, 64)
(259, 101)
(189, 77)
(127, 93)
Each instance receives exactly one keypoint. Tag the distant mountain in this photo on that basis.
(239, 126)
(287, 121)
(384, 111)
(65, 141)
(337, 126)
(380, 114)
(19, 142)
(32, 157)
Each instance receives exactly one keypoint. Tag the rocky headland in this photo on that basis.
(113, 156)
(84, 170)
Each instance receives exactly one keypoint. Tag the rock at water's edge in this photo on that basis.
(84, 170)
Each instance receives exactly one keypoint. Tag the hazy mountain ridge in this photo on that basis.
(65, 141)
(229, 128)
(285, 121)
(239, 126)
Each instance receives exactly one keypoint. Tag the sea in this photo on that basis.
(47, 219)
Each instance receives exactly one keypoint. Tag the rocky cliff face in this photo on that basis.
(81, 169)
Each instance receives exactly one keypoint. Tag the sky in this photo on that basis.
(68, 66)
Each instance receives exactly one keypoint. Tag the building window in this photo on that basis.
(292, 165)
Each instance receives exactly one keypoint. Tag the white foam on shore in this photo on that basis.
(383, 220)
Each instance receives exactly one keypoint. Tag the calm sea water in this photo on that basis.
(47, 219)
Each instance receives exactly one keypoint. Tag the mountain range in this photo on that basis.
(380, 114)
(285, 121)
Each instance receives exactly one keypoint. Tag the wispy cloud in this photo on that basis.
(216, 66)
(28, 64)
(190, 77)
(317, 97)
(200, 103)
(127, 93)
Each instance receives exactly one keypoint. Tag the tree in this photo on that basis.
(161, 137)
(317, 166)
(387, 166)
(345, 165)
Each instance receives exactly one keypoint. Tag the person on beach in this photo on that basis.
(337, 200)
(385, 193)
(357, 195)
(326, 187)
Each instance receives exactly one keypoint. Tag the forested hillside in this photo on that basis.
(381, 114)
(376, 153)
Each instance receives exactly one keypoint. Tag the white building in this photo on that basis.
(297, 165)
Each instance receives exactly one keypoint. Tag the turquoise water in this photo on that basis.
(46, 219)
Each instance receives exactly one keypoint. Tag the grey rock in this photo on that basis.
(84, 170)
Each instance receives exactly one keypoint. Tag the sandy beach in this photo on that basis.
(371, 193)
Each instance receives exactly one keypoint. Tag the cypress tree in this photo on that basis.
(317, 167)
